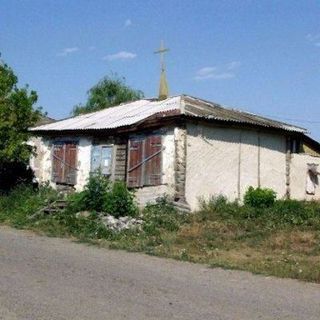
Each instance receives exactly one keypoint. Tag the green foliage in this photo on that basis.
(259, 197)
(22, 202)
(282, 213)
(294, 212)
(120, 201)
(101, 195)
(161, 215)
(108, 92)
(16, 116)
(93, 196)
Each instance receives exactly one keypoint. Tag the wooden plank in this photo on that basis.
(57, 166)
(135, 157)
(153, 172)
(70, 163)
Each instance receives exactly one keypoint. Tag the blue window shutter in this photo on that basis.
(106, 159)
(101, 159)
(95, 157)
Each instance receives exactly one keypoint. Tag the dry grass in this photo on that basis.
(290, 253)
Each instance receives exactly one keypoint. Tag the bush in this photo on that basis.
(93, 196)
(101, 195)
(119, 201)
(259, 197)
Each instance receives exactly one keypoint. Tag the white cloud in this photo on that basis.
(206, 71)
(233, 65)
(225, 72)
(128, 23)
(67, 51)
(314, 39)
(122, 55)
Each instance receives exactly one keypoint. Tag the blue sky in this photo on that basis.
(260, 56)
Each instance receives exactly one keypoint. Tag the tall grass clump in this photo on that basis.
(160, 216)
(21, 203)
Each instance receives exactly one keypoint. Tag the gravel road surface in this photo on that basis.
(51, 278)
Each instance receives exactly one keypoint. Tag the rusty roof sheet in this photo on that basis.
(131, 113)
(204, 109)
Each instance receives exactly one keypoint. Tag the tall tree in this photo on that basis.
(17, 114)
(110, 91)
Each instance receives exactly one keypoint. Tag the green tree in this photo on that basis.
(110, 91)
(17, 114)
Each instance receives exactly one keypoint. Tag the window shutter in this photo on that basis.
(152, 171)
(106, 159)
(57, 165)
(70, 163)
(145, 161)
(95, 158)
(135, 158)
(101, 159)
(64, 157)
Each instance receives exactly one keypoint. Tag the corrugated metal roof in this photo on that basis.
(124, 115)
(209, 110)
(131, 113)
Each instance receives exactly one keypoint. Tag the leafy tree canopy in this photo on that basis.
(110, 91)
(17, 114)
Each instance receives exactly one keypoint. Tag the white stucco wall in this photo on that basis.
(298, 176)
(225, 161)
(83, 162)
(41, 162)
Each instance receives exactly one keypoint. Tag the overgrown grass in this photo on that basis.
(281, 240)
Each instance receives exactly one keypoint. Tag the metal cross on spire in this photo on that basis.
(163, 88)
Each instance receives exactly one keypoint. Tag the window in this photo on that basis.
(145, 161)
(295, 145)
(101, 159)
(64, 157)
(312, 178)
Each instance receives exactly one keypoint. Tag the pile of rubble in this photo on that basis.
(122, 223)
(113, 223)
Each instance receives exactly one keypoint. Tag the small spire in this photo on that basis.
(163, 88)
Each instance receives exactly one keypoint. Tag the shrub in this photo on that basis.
(259, 197)
(93, 196)
(119, 201)
(101, 195)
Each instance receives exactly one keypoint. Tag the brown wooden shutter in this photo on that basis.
(152, 170)
(145, 161)
(57, 165)
(135, 158)
(64, 159)
(70, 163)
